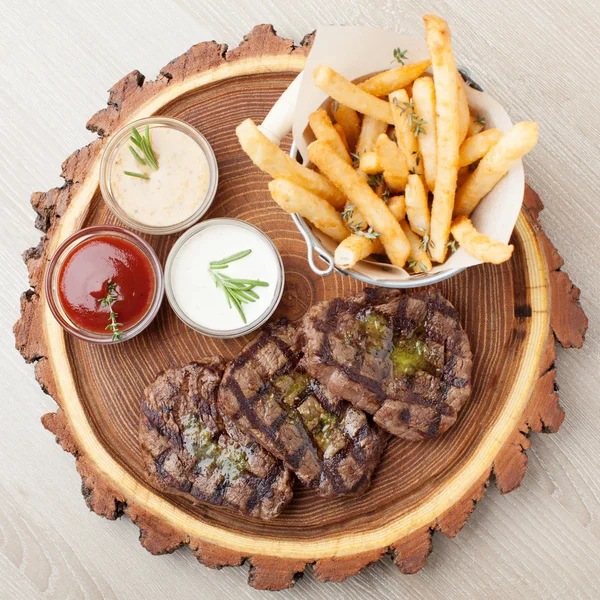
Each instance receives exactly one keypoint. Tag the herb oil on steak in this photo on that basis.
(329, 444)
(190, 448)
(402, 357)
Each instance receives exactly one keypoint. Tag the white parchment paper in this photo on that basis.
(358, 51)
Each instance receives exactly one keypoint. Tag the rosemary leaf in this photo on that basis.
(237, 291)
(134, 174)
(230, 259)
(137, 156)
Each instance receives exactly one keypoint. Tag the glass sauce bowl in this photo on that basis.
(54, 272)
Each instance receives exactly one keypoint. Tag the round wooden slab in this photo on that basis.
(511, 312)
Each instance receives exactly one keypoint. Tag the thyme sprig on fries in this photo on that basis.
(348, 212)
(237, 291)
(413, 264)
(412, 118)
(400, 56)
(368, 233)
(107, 302)
(357, 228)
(427, 243)
(452, 245)
(144, 144)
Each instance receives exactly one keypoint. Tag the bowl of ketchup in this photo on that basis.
(104, 284)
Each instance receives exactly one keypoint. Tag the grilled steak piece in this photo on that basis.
(190, 448)
(403, 358)
(328, 444)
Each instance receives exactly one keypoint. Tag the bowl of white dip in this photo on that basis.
(163, 186)
(199, 268)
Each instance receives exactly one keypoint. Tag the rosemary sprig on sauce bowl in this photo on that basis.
(144, 144)
(237, 291)
(107, 302)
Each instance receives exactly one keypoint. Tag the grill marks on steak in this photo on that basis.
(404, 358)
(189, 447)
(328, 444)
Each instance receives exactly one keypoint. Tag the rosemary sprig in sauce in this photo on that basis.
(237, 291)
(147, 157)
(107, 302)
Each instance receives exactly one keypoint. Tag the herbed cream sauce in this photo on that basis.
(195, 290)
(173, 192)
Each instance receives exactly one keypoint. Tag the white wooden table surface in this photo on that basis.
(539, 58)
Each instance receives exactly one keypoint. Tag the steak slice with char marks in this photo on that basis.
(328, 444)
(402, 357)
(190, 448)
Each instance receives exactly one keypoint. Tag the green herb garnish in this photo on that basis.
(355, 160)
(375, 180)
(144, 144)
(368, 233)
(107, 302)
(413, 264)
(480, 120)
(400, 55)
(134, 174)
(412, 119)
(348, 212)
(385, 195)
(237, 291)
(426, 243)
(452, 245)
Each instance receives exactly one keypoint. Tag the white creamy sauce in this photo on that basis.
(174, 192)
(195, 290)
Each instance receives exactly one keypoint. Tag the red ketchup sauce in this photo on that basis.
(84, 277)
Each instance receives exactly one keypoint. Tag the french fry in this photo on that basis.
(369, 132)
(362, 196)
(386, 82)
(477, 146)
(405, 134)
(350, 121)
(397, 206)
(438, 39)
(391, 158)
(476, 244)
(424, 103)
(464, 116)
(418, 260)
(369, 163)
(342, 135)
(270, 158)
(515, 143)
(295, 199)
(323, 129)
(349, 94)
(354, 249)
(476, 124)
(417, 205)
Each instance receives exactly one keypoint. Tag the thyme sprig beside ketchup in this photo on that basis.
(107, 302)
(148, 157)
(237, 291)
